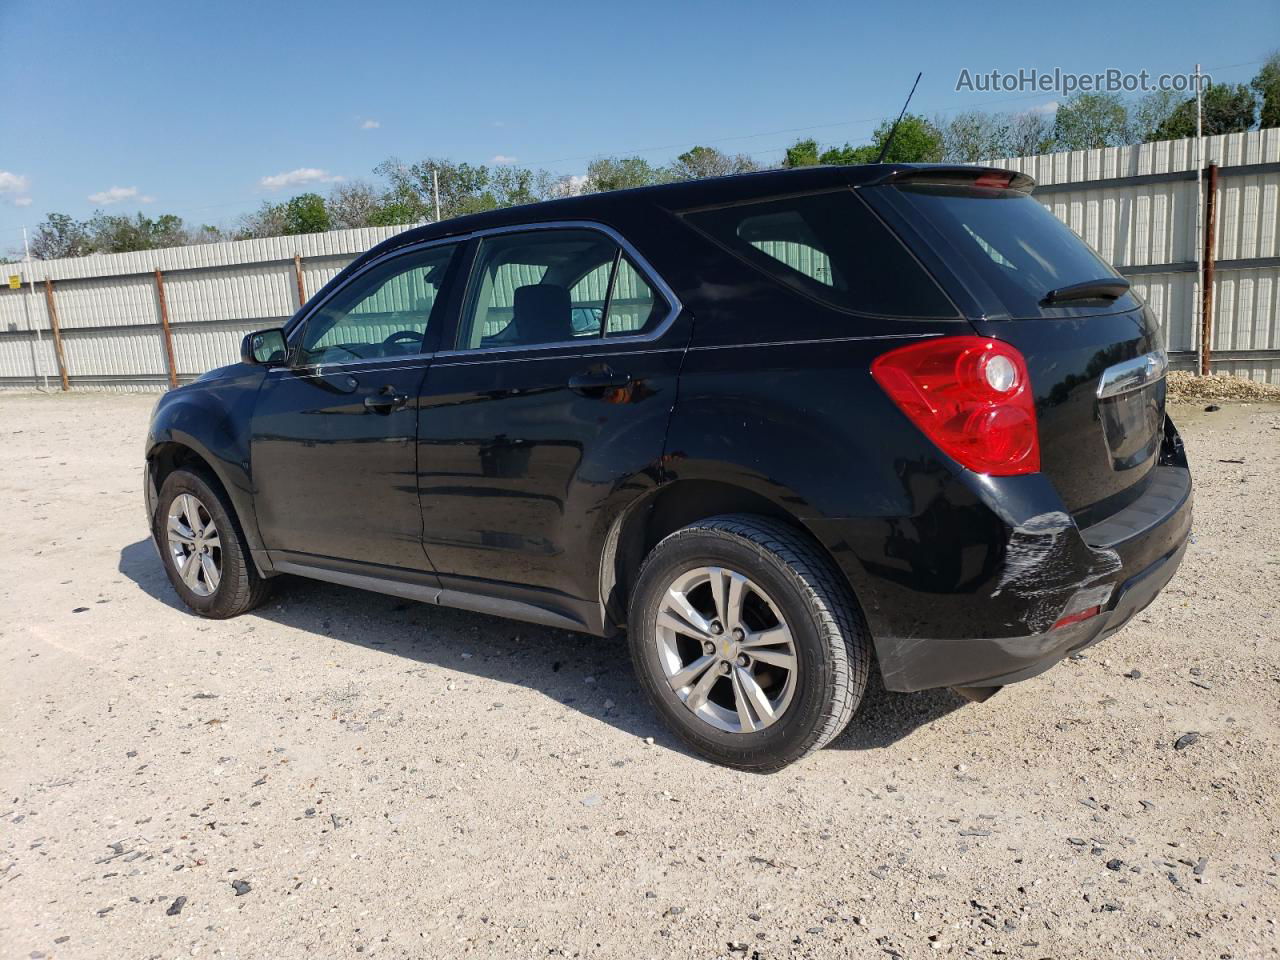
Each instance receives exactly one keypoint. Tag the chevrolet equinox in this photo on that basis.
(776, 428)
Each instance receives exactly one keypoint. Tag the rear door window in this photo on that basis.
(1016, 245)
(555, 286)
(831, 247)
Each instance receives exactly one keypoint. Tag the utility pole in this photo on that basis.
(26, 306)
(1198, 332)
(435, 189)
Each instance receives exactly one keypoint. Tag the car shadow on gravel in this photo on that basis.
(587, 674)
(884, 718)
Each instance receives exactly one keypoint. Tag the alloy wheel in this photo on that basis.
(194, 545)
(726, 650)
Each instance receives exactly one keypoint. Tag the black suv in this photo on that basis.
(774, 427)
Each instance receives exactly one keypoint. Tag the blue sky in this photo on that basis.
(205, 109)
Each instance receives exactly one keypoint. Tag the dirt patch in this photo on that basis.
(1185, 387)
(343, 774)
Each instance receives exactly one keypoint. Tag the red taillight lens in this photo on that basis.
(971, 396)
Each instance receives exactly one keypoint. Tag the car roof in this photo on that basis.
(615, 207)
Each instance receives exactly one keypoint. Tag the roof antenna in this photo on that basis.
(888, 142)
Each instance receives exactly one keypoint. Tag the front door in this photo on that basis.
(546, 418)
(334, 456)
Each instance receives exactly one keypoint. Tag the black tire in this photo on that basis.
(240, 587)
(831, 641)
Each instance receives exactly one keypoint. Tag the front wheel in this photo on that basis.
(748, 642)
(204, 553)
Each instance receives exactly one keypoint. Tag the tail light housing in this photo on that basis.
(971, 396)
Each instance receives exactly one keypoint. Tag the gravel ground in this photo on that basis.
(1187, 387)
(344, 774)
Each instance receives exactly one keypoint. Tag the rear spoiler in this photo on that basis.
(946, 175)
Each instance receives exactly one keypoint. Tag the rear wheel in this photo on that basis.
(748, 642)
(204, 553)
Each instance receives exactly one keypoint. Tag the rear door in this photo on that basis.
(1094, 354)
(547, 417)
(334, 434)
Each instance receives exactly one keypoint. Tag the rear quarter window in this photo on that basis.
(830, 247)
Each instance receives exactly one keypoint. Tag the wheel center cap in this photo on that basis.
(728, 649)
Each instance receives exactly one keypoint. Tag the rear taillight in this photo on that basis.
(971, 396)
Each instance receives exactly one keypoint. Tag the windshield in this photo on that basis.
(1012, 241)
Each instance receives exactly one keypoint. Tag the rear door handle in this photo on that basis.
(385, 400)
(595, 382)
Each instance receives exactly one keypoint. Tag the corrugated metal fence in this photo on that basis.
(1135, 205)
(108, 309)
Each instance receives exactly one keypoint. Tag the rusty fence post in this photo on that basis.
(297, 275)
(168, 334)
(1206, 281)
(56, 330)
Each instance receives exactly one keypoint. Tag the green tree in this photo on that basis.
(118, 233)
(1090, 120)
(1030, 134)
(701, 162)
(266, 221)
(1149, 113)
(621, 173)
(916, 141)
(60, 236)
(802, 153)
(464, 188)
(1267, 87)
(352, 203)
(974, 135)
(847, 154)
(305, 213)
(1225, 108)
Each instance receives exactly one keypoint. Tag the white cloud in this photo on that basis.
(13, 182)
(1050, 107)
(297, 178)
(501, 158)
(118, 195)
(14, 187)
(370, 125)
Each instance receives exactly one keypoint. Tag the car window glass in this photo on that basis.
(802, 250)
(1015, 243)
(633, 305)
(544, 286)
(384, 312)
(831, 247)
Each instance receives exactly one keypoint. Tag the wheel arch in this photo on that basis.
(670, 507)
(171, 448)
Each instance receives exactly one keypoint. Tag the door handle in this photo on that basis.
(385, 400)
(594, 382)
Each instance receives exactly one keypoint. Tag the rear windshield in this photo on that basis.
(831, 247)
(1011, 240)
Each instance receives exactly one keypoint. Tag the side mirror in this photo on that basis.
(264, 347)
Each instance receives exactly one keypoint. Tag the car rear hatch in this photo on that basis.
(1092, 348)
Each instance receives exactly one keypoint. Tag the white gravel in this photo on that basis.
(396, 780)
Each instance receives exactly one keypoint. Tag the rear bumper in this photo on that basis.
(1145, 543)
(925, 664)
(966, 592)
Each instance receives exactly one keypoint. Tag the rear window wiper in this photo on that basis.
(1107, 288)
